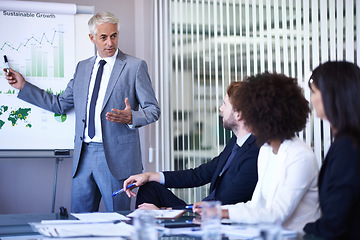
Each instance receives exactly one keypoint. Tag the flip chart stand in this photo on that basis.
(62, 153)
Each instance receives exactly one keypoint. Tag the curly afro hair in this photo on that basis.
(273, 106)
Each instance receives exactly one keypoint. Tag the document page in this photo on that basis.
(100, 216)
(84, 230)
(161, 213)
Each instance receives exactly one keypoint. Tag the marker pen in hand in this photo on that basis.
(122, 190)
(6, 64)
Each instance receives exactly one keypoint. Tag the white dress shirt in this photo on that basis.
(100, 100)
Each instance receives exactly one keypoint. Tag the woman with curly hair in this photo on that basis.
(335, 95)
(274, 108)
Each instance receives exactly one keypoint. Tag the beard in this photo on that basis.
(228, 123)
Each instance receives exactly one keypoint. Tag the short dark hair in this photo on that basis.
(339, 84)
(273, 106)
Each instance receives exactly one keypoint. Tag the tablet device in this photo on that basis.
(181, 225)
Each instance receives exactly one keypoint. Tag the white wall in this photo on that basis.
(26, 185)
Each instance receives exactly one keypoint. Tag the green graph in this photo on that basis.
(37, 65)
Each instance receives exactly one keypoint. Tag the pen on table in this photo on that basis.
(191, 206)
(6, 64)
(122, 190)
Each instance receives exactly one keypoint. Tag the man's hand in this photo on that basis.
(197, 208)
(120, 116)
(147, 206)
(140, 179)
(15, 79)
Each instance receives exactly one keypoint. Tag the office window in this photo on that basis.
(204, 45)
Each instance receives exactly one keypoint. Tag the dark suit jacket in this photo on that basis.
(339, 193)
(235, 185)
(129, 79)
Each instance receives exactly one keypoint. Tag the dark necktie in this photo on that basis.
(91, 130)
(211, 196)
(231, 157)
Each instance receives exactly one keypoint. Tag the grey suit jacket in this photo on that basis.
(129, 78)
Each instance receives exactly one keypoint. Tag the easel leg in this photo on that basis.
(57, 160)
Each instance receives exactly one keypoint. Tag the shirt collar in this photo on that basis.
(109, 60)
(241, 141)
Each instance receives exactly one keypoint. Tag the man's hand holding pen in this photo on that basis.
(14, 78)
(140, 179)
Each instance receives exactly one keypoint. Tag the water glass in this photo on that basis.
(211, 220)
(145, 226)
(270, 231)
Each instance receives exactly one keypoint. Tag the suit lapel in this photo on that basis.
(87, 71)
(223, 159)
(245, 147)
(241, 151)
(115, 76)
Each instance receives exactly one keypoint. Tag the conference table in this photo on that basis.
(16, 227)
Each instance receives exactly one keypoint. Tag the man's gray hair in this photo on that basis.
(100, 18)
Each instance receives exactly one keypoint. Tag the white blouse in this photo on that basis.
(268, 175)
(286, 192)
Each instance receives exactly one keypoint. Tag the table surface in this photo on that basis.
(16, 226)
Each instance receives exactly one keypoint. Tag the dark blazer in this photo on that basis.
(339, 193)
(237, 182)
(129, 79)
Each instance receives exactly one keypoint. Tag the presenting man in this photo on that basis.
(232, 174)
(112, 97)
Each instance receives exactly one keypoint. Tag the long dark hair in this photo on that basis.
(339, 84)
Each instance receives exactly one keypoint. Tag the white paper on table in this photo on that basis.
(53, 222)
(84, 238)
(190, 231)
(84, 230)
(100, 216)
(245, 232)
(249, 232)
(161, 213)
(228, 230)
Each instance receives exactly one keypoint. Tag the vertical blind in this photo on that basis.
(204, 45)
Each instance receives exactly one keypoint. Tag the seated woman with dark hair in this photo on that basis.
(336, 90)
(275, 109)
